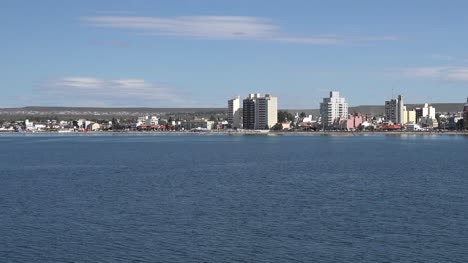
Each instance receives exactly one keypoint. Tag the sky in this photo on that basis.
(200, 53)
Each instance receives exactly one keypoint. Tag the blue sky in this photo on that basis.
(200, 53)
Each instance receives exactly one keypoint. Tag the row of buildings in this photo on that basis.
(144, 123)
(260, 112)
(397, 112)
(257, 112)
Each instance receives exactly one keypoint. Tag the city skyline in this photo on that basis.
(198, 53)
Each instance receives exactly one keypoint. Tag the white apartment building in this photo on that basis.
(332, 108)
(234, 113)
(29, 125)
(260, 112)
(428, 111)
(148, 120)
(266, 112)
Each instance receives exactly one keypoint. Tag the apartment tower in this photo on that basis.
(260, 112)
(234, 112)
(333, 107)
(394, 110)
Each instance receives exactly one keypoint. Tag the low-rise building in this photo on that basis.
(429, 122)
(149, 120)
(198, 124)
(286, 125)
(350, 123)
(412, 127)
(93, 126)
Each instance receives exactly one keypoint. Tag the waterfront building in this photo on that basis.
(425, 111)
(419, 114)
(148, 120)
(248, 112)
(266, 112)
(93, 126)
(286, 125)
(305, 119)
(428, 122)
(394, 110)
(259, 112)
(349, 123)
(82, 123)
(198, 124)
(465, 115)
(412, 127)
(408, 115)
(333, 107)
(234, 113)
(428, 111)
(153, 120)
(29, 125)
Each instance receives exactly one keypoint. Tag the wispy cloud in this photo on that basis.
(221, 28)
(91, 91)
(447, 74)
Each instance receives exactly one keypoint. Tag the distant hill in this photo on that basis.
(37, 112)
(131, 113)
(99, 109)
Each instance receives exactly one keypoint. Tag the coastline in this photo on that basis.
(250, 133)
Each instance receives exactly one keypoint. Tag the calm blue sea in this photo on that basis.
(198, 198)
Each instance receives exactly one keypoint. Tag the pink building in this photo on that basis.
(350, 123)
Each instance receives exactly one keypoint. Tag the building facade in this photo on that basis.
(266, 112)
(259, 112)
(409, 116)
(234, 113)
(428, 111)
(394, 110)
(333, 107)
(198, 124)
(248, 112)
(349, 123)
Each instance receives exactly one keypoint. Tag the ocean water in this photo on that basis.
(198, 198)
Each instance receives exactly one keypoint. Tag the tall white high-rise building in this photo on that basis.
(394, 110)
(234, 112)
(266, 112)
(260, 112)
(333, 107)
(428, 111)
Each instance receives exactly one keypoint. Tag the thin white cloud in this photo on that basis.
(220, 28)
(111, 92)
(458, 74)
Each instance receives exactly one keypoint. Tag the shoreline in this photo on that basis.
(250, 133)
